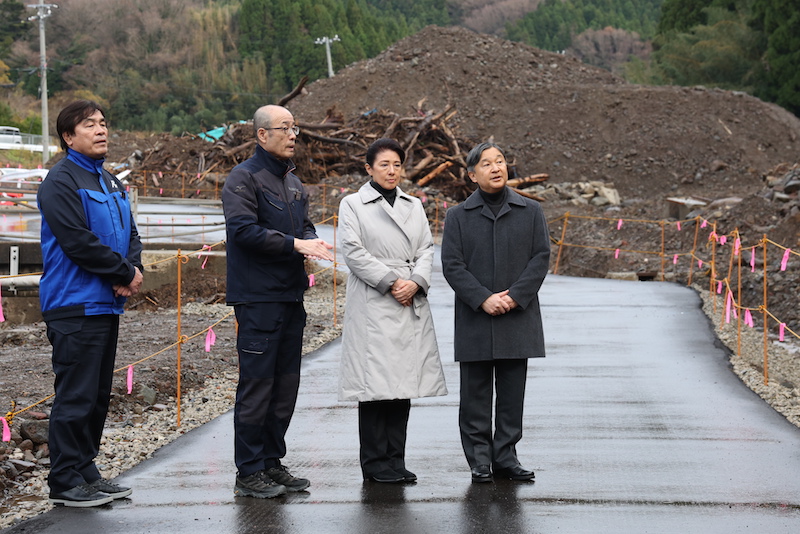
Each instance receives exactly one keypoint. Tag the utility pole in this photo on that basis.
(327, 42)
(44, 11)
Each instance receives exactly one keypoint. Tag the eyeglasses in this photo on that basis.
(286, 129)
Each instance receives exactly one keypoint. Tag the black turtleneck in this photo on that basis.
(494, 200)
(389, 194)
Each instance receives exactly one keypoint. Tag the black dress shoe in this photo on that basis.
(516, 472)
(389, 476)
(408, 476)
(481, 473)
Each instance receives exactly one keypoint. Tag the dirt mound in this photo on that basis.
(575, 122)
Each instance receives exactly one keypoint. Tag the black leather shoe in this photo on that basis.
(408, 476)
(516, 472)
(481, 473)
(389, 476)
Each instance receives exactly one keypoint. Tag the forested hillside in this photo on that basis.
(188, 65)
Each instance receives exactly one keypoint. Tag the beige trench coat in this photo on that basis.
(389, 351)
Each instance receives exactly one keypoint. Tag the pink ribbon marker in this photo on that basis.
(424, 199)
(753, 260)
(723, 239)
(211, 339)
(161, 191)
(160, 175)
(675, 259)
(785, 259)
(781, 329)
(704, 223)
(679, 225)
(719, 287)
(616, 254)
(445, 205)
(748, 318)
(130, 379)
(205, 247)
(699, 264)
(736, 246)
(2, 317)
(728, 302)
(311, 281)
(619, 224)
(6, 430)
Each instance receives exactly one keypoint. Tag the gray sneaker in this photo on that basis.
(115, 490)
(281, 475)
(257, 485)
(81, 496)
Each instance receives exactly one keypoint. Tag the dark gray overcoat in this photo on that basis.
(483, 254)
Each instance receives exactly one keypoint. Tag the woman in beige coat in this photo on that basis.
(389, 350)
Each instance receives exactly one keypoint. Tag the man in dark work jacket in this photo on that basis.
(495, 256)
(268, 236)
(92, 262)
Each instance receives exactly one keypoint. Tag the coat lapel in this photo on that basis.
(399, 213)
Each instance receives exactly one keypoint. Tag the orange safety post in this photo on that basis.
(713, 276)
(764, 311)
(738, 254)
(181, 259)
(694, 249)
(663, 250)
(561, 242)
(335, 270)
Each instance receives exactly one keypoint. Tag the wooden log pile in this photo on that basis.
(325, 151)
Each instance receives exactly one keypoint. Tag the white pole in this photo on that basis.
(44, 11)
(327, 42)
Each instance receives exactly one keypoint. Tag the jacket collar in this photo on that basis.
(475, 200)
(272, 164)
(85, 162)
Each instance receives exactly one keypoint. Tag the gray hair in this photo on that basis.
(474, 155)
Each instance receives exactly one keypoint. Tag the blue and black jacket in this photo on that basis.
(89, 239)
(266, 208)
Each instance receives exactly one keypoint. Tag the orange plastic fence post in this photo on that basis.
(335, 224)
(561, 242)
(694, 249)
(764, 311)
(178, 373)
(663, 250)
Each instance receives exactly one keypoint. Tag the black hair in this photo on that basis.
(474, 155)
(384, 143)
(72, 115)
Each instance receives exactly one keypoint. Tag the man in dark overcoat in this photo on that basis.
(495, 256)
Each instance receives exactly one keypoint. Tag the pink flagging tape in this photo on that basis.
(6, 430)
(2, 317)
(728, 302)
(748, 318)
(753, 260)
(616, 254)
(679, 225)
(785, 259)
(781, 331)
(211, 339)
(719, 287)
(311, 281)
(675, 259)
(736, 246)
(619, 224)
(130, 379)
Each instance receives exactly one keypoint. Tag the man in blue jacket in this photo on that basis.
(92, 262)
(268, 236)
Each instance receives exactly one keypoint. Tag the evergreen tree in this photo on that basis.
(780, 22)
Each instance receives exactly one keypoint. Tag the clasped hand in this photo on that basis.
(498, 303)
(404, 290)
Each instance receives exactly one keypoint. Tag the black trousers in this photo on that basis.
(382, 429)
(269, 344)
(84, 350)
(475, 411)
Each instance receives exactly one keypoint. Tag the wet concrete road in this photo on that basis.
(633, 423)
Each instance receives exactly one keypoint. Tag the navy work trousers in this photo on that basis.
(270, 345)
(84, 349)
